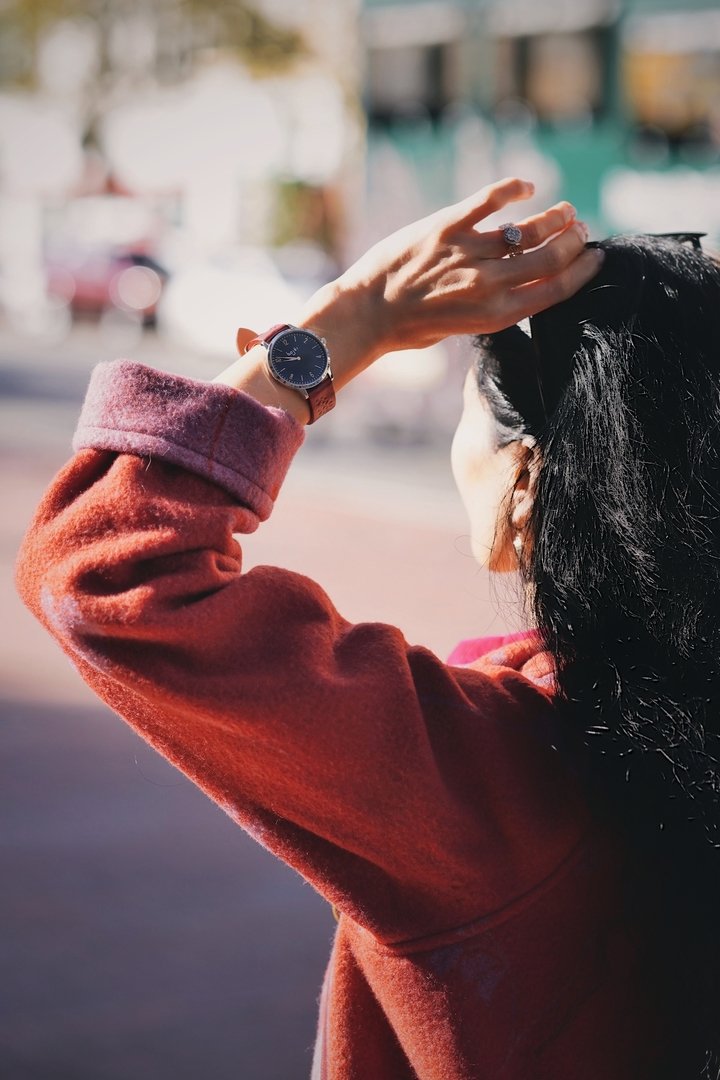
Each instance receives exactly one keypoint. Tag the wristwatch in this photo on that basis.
(299, 358)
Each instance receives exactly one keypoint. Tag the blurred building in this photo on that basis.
(190, 135)
(613, 104)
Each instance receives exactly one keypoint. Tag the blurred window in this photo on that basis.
(560, 75)
(412, 70)
(678, 95)
(564, 76)
(409, 81)
(671, 77)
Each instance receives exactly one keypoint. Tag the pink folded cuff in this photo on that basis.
(222, 434)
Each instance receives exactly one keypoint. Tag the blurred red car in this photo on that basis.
(94, 281)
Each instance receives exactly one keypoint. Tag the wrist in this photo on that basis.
(347, 318)
(250, 374)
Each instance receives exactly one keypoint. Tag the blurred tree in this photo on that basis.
(304, 211)
(137, 44)
(182, 29)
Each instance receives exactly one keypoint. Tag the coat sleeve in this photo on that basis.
(414, 795)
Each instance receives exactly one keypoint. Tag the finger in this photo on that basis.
(489, 200)
(536, 296)
(546, 261)
(536, 230)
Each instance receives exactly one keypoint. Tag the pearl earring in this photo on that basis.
(518, 544)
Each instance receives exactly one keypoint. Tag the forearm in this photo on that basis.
(435, 278)
(345, 318)
(133, 564)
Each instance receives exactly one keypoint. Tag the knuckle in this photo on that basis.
(531, 235)
(480, 282)
(445, 231)
(555, 258)
(458, 255)
(496, 194)
(490, 203)
(548, 294)
(557, 217)
(562, 286)
(446, 225)
(439, 228)
(507, 182)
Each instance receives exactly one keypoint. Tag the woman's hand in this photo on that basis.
(441, 276)
(437, 277)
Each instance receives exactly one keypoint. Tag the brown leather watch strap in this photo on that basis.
(263, 339)
(321, 399)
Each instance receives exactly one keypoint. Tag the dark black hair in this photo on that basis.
(620, 387)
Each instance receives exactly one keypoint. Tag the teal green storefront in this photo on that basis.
(638, 53)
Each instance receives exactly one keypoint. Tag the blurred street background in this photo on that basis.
(169, 171)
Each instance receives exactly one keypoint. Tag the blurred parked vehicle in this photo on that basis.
(95, 281)
(100, 258)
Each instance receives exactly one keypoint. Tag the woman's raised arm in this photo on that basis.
(436, 277)
(339, 746)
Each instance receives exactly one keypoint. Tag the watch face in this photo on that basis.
(298, 358)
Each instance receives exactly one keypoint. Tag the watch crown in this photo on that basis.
(323, 341)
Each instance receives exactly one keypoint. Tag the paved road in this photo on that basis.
(144, 936)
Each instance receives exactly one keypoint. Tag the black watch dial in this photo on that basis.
(298, 358)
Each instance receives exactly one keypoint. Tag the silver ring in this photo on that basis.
(512, 235)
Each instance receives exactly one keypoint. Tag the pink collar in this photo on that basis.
(518, 651)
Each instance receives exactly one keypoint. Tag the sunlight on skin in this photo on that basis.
(484, 477)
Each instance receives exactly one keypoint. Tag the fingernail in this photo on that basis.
(569, 212)
(582, 229)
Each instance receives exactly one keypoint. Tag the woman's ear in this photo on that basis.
(515, 513)
(523, 493)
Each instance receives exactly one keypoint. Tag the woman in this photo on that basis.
(497, 883)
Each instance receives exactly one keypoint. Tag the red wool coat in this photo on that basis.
(439, 806)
